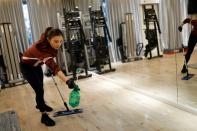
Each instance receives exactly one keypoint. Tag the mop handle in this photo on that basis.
(185, 63)
(57, 87)
(65, 104)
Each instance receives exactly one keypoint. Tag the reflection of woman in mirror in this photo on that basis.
(192, 20)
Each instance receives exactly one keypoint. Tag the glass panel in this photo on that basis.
(156, 77)
(187, 94)
(27, 22)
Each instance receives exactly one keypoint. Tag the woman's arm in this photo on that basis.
(70, 82)
(61, 75)
(194, 22)
(187, 20)
(57, 71)
(190, 21)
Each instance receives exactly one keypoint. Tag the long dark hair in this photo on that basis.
(49, 33)
(54, 32)
(44, 35)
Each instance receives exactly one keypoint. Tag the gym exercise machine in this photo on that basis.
(10, 74)
(121, 43)
(150, 18)
(100, 38)
(89, 50)
(75, 43)
(127, 43)
(3, 76)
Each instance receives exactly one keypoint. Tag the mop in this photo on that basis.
(67, 111)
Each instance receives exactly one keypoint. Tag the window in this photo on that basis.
(27, 22)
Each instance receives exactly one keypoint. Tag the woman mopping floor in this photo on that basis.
(43, 52)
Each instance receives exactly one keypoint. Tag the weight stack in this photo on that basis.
(10, 53)
(130, 36)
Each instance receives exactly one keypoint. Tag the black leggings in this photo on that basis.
(34, 75)
(191, 44)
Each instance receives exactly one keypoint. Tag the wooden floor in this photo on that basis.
(108, 105)
(159, 77)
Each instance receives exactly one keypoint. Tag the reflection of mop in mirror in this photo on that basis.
(185, 66)
(188, 76)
